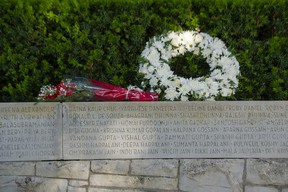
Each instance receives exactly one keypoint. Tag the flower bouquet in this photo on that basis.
(82, 89)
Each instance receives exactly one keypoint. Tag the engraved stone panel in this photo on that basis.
(30, 131)
(227, 129)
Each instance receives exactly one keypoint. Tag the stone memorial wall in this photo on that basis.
(239, 146)
(175, 130)
(30, 131)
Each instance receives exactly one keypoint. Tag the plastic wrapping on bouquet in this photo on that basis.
(102, 91)
(108, 92)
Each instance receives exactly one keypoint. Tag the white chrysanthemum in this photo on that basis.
(153, 82)
(158, 44)
(175, 39)
(166, 54)
(171, 94)
(153, 57)
(224, 69)
(166, 82)
(146, 52)
(205, 41)
(211, 99)
(158, 91)
(150, 76)
(181, 50)
(193, 83)
(143, 68)
(226, 62)
(176, 83)
(217, 45)
(150, 69)
(224, 82)
(216, 74)
(198, 38)
(214, 88)
(213, 63)
(161, 72)
(184, 98)
(226, 92)
(185, 88)
(196, 51)
(187, 37)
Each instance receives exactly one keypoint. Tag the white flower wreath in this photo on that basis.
(224, 68)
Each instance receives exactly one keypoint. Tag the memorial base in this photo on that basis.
(157, 146)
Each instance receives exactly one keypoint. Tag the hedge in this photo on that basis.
(42, 41)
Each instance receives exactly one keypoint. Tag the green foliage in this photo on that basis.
(189, 65)
(41, 41)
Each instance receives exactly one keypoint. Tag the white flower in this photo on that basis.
(182, 50)
(166, 82)
(174, 52)
(176, 82)
(226, 62)
(188, 38)
(184, 89)
(149, 76)
(210, 99)
(158, 91)
(196, 51)
(146, 52)
(175, 39)
(166, 54)
(150, 69)
(143, 68)
(158, 44)
(194, 84)
(47, 90)
(213, 63)
(206, 53)
(153, 57)
(198, 38)
(171, 94)
(224, 68)
(226, 92)
(213, 88)
(153, 82)
(216, 74)
(184, 98)
(162, 71)
(217, 45)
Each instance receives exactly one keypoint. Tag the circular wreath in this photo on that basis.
(224, 68)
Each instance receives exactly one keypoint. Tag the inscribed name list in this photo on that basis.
(225, 129)
(30, 131)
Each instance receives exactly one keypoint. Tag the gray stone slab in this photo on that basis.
(63, 169)
(127, 130)
(30, 131)
(267, 171)
(23, 184)
(217, 175)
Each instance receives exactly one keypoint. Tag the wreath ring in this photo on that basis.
(224, 68)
